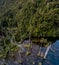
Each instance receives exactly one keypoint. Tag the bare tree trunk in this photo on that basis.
(20, 29)
(30, 32)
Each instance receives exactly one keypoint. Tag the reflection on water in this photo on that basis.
(52, 56)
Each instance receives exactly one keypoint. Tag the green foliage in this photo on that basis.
(24, 18)
(40, 18)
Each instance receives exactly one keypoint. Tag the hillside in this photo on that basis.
(28, 19)
(40, 17)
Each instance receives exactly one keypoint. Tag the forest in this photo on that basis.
(33, 20)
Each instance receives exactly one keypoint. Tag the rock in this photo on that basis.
(39, 54)
(42, 55)
(33, 63)
(40, 63)
(27, 46)
(28, 53)
(20, 62)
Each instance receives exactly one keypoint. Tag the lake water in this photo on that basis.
(52, 57)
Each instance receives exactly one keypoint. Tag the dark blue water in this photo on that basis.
(53, 56)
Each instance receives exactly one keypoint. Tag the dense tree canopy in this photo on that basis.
(24, 18)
